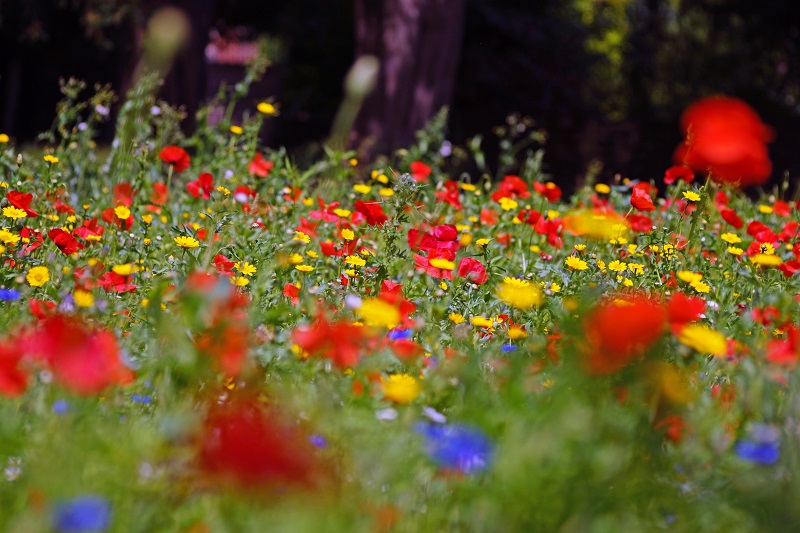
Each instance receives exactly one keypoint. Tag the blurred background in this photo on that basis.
(607, 79)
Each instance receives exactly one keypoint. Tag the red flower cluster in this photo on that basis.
(176, 157)
(725, 137)
(511, 187)
(440, 243)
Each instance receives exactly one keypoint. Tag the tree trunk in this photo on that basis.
(418, 43)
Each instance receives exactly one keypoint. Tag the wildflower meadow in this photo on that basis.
(202, 335)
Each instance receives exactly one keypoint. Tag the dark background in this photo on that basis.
(606, 79)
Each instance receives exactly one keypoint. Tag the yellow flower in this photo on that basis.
(519, 293)
(362, 188)
(186, 242)
(122, 212)
(507, 204)
(456, 318)
(468, 187)
(730, 238)
(14, 213)
(764, 209)
(236, 130)
(245, 268)
(691, 196)
(401, 388)
(376, 312)
(4, 138)
(596, 225)
(147, 219)
(482, 242)
(703, 339)
(146, 241)
(699, 286)
(353, 162)
(602, 188)
(766, 248)
(266, 108)
(343, 213)
(482, 322)
(348, 234)
(735, 251)
(51, 159)
(516, 333)
(302, 237)
(576, 263)
(124, 270)
(38, 276)
(386, 192)
(354, 260)
(223, 190)
(766, 260)
(617, 266)
(444, 264)
(239, 281)
(83, 298)
(580, 247)
(295, 259)
(636, 268)
(304, 268)
(689, 276)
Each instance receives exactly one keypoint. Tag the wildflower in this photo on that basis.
(372, 212)
(620, 330)
(122, 212)
(401, 388)
(201, 187)
(4, 138)
(65, 241)
(442, 264)
(617, 266)
(14, 213)
(727, 138)
(13, 381)
(456, 318)
(241, 443)
(730, 238)
(267, 108)
(186, 242)
(602, 188)
(354, 260)
(245, 268)
(507, 204)
(691, 196)
(259, 166)
(703, 339)
(9, 295)
(386, 192)
(83, 298)
(236, 130)
(304, 268)
(463, 449)
(239, 281)
(482, 322)
(38, 276)
(85, 514)
(766, 260)
(598, 224)
(377, 312)
(482, 242)
(6, 237)
(22, 201)
(51, 159)
(125, 269)
(176, 157)
(576, 263)
(301, 237)
(473, 270)
(640, 198)
(348, 235)
(519, 293)
(678, 172)
(420, 171)
(549, 190)
(362, 188)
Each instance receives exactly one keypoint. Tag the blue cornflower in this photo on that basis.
(9, 295)
(400, 334)
(139, 398)
(318, 441)
(458, 447)
(763, 453)
(60, 407)
(507, 348)
(85, 514)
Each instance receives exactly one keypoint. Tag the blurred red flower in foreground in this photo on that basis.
(246, 445)
(84, 360)
(725, 137)
(176, 157)
(13, 381)
(621, 329)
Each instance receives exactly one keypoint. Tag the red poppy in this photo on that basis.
(730, 216)
(203, 186)
(420, 171)
(725, 137)
(41, 309)
(124, 193)
(223, 265)
(22, 201)
(640, 198)
(89, 227)
(34, 239)
(65, 241)
(449, 194)
(372, 212)
(548, 190)
(113, 282)
(259, 166)
(341, 342)
(84, 360)
(13, 381)
(682, 309)
(621, 329)
(160, 194)
(511, 187)
(243, 444)
(292, 291)
(473, 270)
(176, 157)
(673, 426)
(640, 223)
(109, 216)
(678, 172)
(785, 352)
